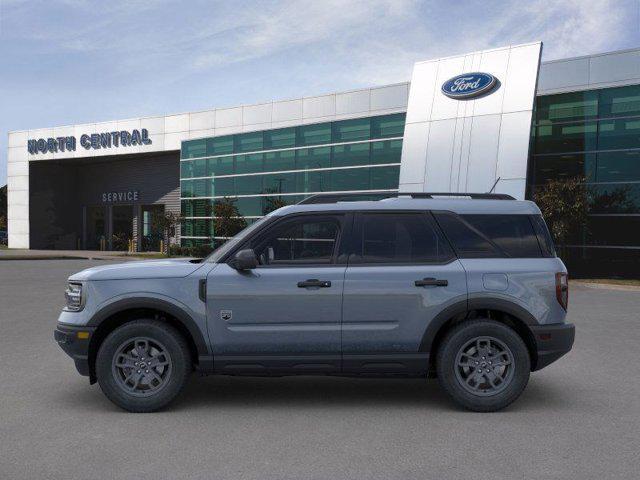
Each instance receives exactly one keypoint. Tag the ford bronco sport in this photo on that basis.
(463, 287)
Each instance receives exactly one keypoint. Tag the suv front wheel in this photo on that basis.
(483, 365)
(143, 365)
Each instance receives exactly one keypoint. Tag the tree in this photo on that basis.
(3, 208)
(228, 220)
(564, 205)
(165, 223)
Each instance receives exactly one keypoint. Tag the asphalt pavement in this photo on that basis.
(577, 419)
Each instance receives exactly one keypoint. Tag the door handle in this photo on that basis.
(313, 282)
(431, 282)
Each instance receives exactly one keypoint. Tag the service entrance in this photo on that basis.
(121, 227)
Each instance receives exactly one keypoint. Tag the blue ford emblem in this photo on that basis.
(468, 85)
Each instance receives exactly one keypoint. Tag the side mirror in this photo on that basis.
(244, 260)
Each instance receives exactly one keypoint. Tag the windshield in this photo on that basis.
(230, 244)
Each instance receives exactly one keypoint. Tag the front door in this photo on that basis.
(284, 315)
(401, 275)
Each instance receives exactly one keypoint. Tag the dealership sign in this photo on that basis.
(469, 85)
(93, 141)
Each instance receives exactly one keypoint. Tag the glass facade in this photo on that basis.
(268, 169)
(594, 135)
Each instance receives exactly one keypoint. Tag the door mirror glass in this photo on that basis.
(244, 260)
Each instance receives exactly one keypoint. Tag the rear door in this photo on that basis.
(401, 274)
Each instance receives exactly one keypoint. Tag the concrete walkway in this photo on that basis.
(23, 254)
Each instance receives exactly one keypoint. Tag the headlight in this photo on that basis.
(73, 295)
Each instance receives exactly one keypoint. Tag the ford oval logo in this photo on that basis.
(469, 85)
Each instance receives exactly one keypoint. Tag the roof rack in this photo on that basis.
(356, 196)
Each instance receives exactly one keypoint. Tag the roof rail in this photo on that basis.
(357, 196)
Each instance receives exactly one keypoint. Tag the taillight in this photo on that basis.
(562, 289)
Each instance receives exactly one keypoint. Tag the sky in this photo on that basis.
(65, 62)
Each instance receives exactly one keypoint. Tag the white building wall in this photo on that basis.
(167, 133)
(453, 145)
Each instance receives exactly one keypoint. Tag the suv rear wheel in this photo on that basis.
(143, 365)
(483, 365)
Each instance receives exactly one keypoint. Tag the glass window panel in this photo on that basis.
(401, 238)
(467, 242)
(220, 145)
(279, 183)
(280, 138)
(566, 138)
(620, 102)
(388, 126)
(352, 130)
(514, 234)
(223, 187)
(319, 157)
(196, 208)
(194, 148)
(385, 178)
(248, 142)
(554, 167)
(313, 134)
(197, 228)
(388, 151)
(313, 181)
(186, 170)
(618, 167)
(566, 107)
(616, 134)
(249, 163)
(274, 161)
(614, 198)
(249, 185)
(349, 179)
(347, 155)
(221, 166)
(187, 188)
(613, 230)
(250, 206)
(299, 242)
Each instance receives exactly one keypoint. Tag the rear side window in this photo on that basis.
(400, 238)
(468, 241)
(513, 234)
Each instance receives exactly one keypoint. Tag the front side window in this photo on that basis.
(300, 241)
(400, 238)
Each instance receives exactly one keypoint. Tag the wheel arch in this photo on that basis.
(123, 311)
(503, 311)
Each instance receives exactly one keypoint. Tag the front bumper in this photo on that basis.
(75, 340)
(552, 342)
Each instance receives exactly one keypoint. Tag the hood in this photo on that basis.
(174, 268)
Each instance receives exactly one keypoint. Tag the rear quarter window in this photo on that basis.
(492, 236)
(513, 234)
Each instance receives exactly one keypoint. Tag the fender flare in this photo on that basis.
(465, 306)
(157, 304)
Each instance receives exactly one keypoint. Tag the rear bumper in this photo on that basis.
(552, 342)
(76, 347)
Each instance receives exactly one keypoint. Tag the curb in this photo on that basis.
(607, 286)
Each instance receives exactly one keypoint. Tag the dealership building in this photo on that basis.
(496, 119)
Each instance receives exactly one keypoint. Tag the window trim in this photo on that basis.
(354, 258)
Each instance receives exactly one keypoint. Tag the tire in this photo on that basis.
(140, 383)
(498, 384)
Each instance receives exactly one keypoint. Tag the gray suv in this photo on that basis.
(463, 287)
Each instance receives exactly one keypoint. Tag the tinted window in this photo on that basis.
(401, 238)
(468, 242)
(302, 241)
(544, 237)
(514, 234)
